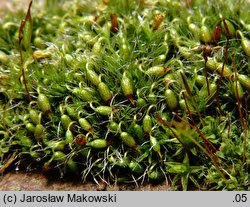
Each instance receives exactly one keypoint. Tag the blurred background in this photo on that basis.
(12, 5)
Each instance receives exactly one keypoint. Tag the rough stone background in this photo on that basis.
(28, 181)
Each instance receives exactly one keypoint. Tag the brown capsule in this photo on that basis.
(114, 23)
(157, 21)
(80, 139)
(216, 34)
(106, 1)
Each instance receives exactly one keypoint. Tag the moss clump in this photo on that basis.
(128, 91)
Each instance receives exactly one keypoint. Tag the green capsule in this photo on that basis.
(40, 54)
(227, 73)
(38, 132)
(128, 139)
(39, 43)
(194, 29)
(147, 124)
(138, 132)
(152, 98)
(65, 120)
(155, 145)
(83, 94)
(244, 81)
(182, 104)
(34, 117)
(113, 126)
(103, 110)
(59, 156)
(200, 80)
(71, 112)
(168, 78)
(187, 53)
(127, 86)
(230, 26)
(205, 34)
(4, 59)
(44, 104)
(56, 145)
(69, 137)
(245, 25)
(212, 65)
(171, 99)
(104, 92)
(140, 102)
(72, 165)
(26, 141)
(30, 127)
(27, 33)
(92, 76)
(136, 167)
(239, 93)
(98, 143)
(245, 43)
(85, 124)
(157, 70)
(213, 88)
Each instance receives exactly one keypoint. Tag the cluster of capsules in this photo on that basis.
(128, 91)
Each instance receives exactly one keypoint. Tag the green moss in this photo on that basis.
(203, 138)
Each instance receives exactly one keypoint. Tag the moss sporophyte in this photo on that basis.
(128, 91)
